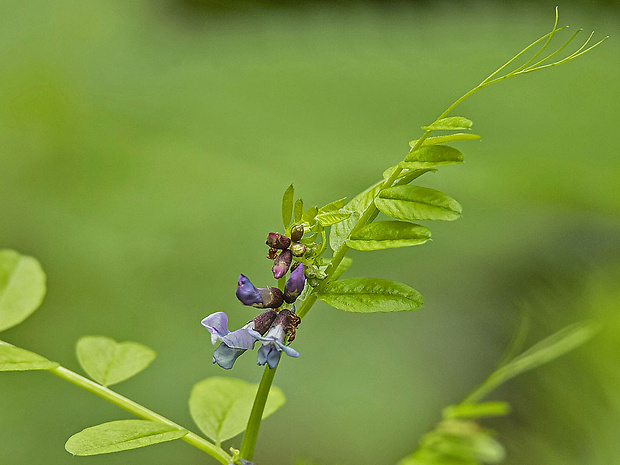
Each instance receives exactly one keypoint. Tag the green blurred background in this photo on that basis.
(144, 149)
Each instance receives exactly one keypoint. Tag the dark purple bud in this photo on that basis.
(298, 249)
(281, 264)
(246, 292)
(295, 284)
(262, 322)
(296, 232)
(277, 241)
(272, 297)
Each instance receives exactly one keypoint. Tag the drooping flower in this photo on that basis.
(282, 263)
(294, 284)
(233, 344)
(262, 297)
(273, 341)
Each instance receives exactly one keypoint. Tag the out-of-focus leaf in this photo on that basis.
(221, 406)
(412, 170)
(109, 362)
(370, 295)
(299, 208)
(342, 267)
(435, 155)
(120, 435)
(447, 138)
(417, 203)
(449, 124)
(22, 287)
(484, 409)
(470, 446)
(332, 217)
(339, 232)
(333, 206)
(388, 234)
(287, 205)
(17, 359)
(548, 349)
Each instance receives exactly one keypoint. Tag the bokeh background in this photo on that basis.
(144, 149)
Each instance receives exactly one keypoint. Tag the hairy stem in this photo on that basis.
(251, 432)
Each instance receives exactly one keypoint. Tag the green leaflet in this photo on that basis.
(435, 155)
(449, 124)
(109, 362)
(484, 409)
(287, 205)
(310, 215)
(333, 206)
(339, 232)
(387, 235)
(17, 359)
(221, 406)
(22, 287)
(370, 295)
(447, 138)
(548, 349)
(417, 203)
(116, 436)
(467, 443)
(342, 267)
(299, 208)
(332, 217)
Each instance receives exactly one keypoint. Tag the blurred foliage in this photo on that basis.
(144, 155)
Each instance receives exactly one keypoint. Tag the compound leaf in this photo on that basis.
(120, 435)
(370, 295)
(109, 362)
(22, 287)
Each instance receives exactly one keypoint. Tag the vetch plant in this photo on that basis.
(304, 270)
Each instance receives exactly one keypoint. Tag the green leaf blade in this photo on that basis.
(417, 203)
(109, 362)
(388, 234)
(287, 205)
(22, 287)
(332, 217)
(459, 136)
(435, 155)
(299, 208)
(116, 436)
(451, 123)
(333, 206)
(370, 295)
(17, 359)
(221, 406)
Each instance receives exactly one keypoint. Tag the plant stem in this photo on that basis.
(251, 431)
(139, 411)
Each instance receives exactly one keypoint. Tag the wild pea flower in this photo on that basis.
(233, 344)
(294, 284)
(263, 297)
(273, 341)
(282, 263)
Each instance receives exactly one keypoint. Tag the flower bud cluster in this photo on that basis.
(274, 328)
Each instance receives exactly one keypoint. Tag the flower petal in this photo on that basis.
(246, 292)
(217, 324)
(239, 339)
(226, 356)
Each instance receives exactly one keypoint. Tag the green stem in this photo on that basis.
(139, 411)
(251, 432)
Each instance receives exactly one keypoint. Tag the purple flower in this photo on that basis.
(263, 297)
(233, 344)
(273, 341)
(281, 264)
(294, 284)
